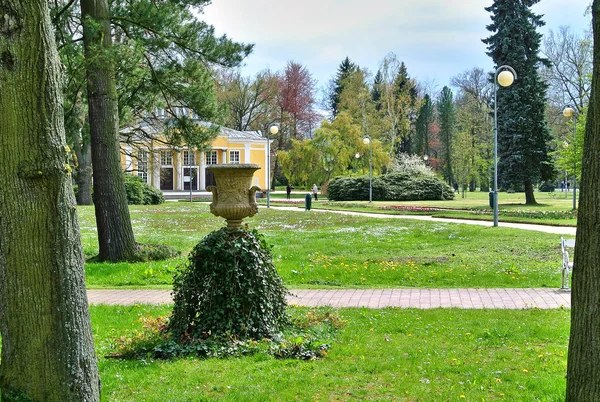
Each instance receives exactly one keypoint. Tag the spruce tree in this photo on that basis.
(422, 127)
(523, 135)
(345, 69)
(376, 90)
(447, 122)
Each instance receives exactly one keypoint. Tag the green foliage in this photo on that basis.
(546, 187)
(140, 193)
(307, 338)
(229, 286)
(423, 127)
(395, 186)
(447, 123)
(523, 135)
(345, 69)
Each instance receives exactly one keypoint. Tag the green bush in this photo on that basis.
(396, 186)
(546, 187)
(140, 193)
(229, 286)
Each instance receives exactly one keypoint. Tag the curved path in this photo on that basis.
(563, 230)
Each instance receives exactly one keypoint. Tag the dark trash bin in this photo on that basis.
(492, 194)
(307, 202)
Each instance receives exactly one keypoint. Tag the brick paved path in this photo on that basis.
(377, 298)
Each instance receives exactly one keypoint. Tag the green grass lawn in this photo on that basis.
(318, 249)
(388, 354)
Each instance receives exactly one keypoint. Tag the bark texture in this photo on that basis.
(583, 368)
(115, 233)
(83, 150)
(47, 346)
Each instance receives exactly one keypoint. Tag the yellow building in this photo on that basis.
(168, 168)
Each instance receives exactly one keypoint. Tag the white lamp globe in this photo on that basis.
(366, 140)
(506, 78)
(273, 129)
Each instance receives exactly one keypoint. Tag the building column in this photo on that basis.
(202, 172)
(178, 165)
(247, 153)
(155, 163)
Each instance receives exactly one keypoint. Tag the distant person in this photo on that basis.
(562, 186)
(568, 186)
(455, 187)
(288, 190)
(315, 191)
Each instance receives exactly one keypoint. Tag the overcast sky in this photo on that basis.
(436, 39)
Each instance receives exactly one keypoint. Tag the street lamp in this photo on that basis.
(570, 112)
(356, 157)
(367, 141)
(504, 75)
(273, 129)
(426, 159)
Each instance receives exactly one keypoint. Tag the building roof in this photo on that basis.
(158, 126)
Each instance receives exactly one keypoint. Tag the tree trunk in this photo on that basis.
(583, 368)
(83, 178)
(47, 346)
(115, 234)
(529, 196)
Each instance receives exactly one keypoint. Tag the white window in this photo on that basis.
(189, 159)
(142, 164)
(166, 158)
(234, 156)
(211, 157)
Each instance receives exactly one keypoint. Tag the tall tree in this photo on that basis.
(297, 100)
(447, 122)
(115, 233)
(47, 345)
(583, 367)
(336, 85)
(398, 104)
(475, 125)
(523, 135)
(251, 101)
(570, 74)
(423, 127)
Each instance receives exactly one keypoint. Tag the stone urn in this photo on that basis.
(234, 196)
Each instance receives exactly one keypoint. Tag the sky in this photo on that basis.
(436, 39)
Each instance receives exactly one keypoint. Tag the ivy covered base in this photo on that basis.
(229, 287)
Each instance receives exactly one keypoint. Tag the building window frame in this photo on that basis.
(234, 157)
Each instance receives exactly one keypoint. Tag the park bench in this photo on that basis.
(567, 264)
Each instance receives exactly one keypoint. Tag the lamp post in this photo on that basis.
(367, 141)
(356, 157)
(273, 129)
(504, 75)
(570, 112)
(426, 159)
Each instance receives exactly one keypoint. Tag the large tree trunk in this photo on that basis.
(47, 345)
(83, 178)
(583, 369)
(115, 234)
(529, 196)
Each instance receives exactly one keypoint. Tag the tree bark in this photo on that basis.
(529, 196)
(47, 346)
(583, 368)
(115, 233)
(83, 178)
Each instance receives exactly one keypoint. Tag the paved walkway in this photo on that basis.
(377, 298)
(564, 230)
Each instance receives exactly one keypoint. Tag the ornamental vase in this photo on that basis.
(234, 196)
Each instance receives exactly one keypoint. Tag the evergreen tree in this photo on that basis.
(523, 135)
(376, 90)
(345, 69)
(423, 123)
(447, 121)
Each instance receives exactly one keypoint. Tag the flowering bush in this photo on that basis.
(530, 214)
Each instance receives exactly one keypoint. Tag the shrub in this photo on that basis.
(546, 187)
(140, 193)
(395, 186)
(229, 286)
